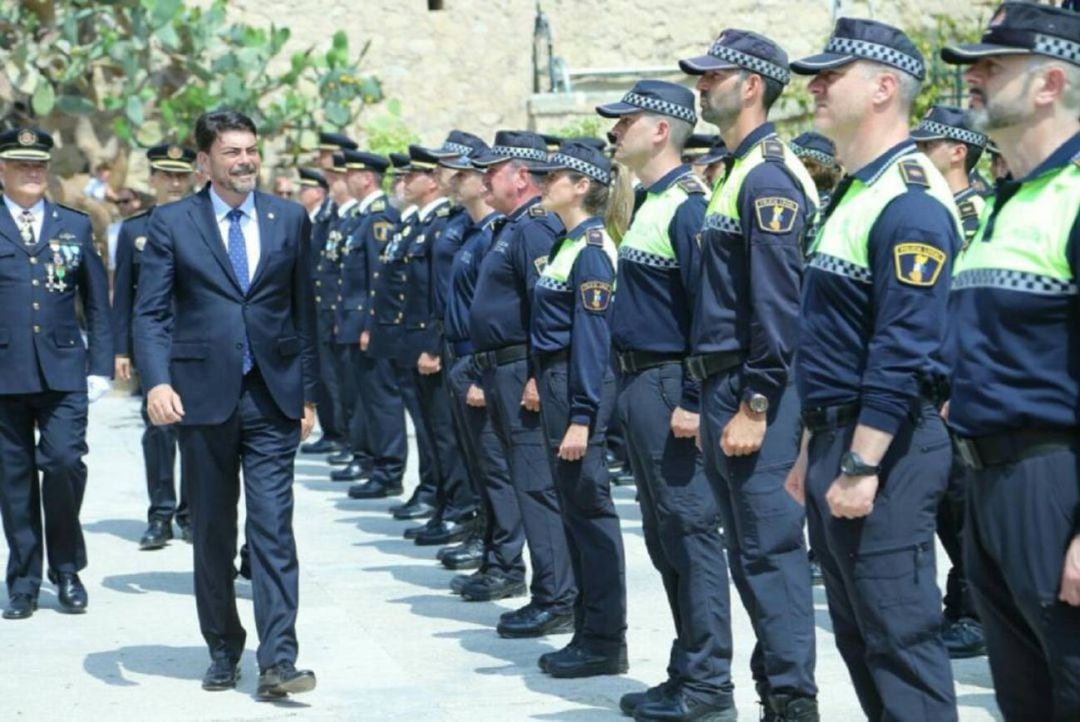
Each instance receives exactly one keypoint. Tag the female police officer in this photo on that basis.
(570, 339)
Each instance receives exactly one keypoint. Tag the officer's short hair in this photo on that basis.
(537, 177)
(210, 125)
(680, 130)
(773, 88)
(1071, 97)
(908, 86)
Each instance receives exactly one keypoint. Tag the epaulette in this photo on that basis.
(73, 210)
(139, 214)
(692, 184)
(442, 211)
(967, 210)
(378, 206)
(537, 211)
(772, 149)
(354, 211)
(594, 237)
(913, 174)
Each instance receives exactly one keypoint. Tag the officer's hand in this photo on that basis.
(685, 424)
(945, 411)
(96, 387)
(1070, 574)
(744, 434)
(428, 364)
(475, 397)
(795, 484)
(308, 422)
(574, 442)
(163, 405)
(122, 369)
(852, 497)
(365, 339)
(530, 397)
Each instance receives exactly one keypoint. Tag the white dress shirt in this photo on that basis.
(249, 226)
(343, 209)
(37, 210)
(370, 198)
(427, 210)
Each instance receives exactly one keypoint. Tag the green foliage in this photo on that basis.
(388, 133)
(588, 127)
(148, 68)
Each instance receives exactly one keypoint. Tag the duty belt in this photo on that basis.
(705, 365)
(547, 358)
(501, 356)
(822, 418)
(630, 362)
(985, 451)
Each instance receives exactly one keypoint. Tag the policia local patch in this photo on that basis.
(775, 214)
(595, 295)
(918, 264)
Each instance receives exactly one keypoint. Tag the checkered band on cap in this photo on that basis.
(583, 167)
(879, 53)
(665, 107)
(951, 132)
(814, 154)
(456, 148)
(750, 62)
(512, 151)
(1057, 47)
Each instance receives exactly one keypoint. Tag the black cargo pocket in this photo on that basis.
(899, 594)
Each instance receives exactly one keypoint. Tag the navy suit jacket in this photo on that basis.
(130, 243)
(41, 345)
(191, 316)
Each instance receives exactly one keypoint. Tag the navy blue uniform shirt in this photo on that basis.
(573, 314)
(375, 222)
(508, 273)
(421, 327)
(130, 242)
(873, 341)
(463, 276)
(444, 251)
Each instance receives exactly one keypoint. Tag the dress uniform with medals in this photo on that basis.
(158, 442)
(1015, 403)
(743, 330)
(870, 355)
(48, 264)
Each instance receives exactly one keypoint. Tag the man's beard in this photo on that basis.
(237, 184)
(997, 113)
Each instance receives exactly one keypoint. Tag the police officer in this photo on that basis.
(570, 339)
(314, 190)
(659, 264)
(48, 258)
(369, 230)
(171, 167)
(1016, 382)
(954, 149)
(502, 540)
(499, 322)
(744, 325)
(329, 409)
(818, 156)
(876, 454)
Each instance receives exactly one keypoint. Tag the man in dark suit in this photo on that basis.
(171, 167)
(47, 258)
(223, 339)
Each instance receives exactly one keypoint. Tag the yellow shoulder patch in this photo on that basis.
(378, 206)
(776, 214)
(381, 230)
(595, 296)
(918, 264)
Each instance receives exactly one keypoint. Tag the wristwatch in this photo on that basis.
(758, 403)
(851, 464)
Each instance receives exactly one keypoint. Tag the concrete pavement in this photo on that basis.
(377, 623)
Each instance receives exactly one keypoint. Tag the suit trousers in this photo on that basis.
(260, 441)
(60, 417)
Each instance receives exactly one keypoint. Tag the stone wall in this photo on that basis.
(470, 65)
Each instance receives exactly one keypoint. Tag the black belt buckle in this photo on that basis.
(695, 366)
(626, 363)
(969, 453)
(483, 360)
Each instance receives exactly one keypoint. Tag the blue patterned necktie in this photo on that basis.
(239, 260)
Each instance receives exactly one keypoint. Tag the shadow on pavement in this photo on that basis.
(435, 578)
(164, 582)
(127, 529)
(150, 659)
(452, 607)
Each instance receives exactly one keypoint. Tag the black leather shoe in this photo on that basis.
(678, 707)
(221, 675)
(964, 638)
(543, 659)
(342, 457)
(186, 534)
(353, 472)
(373, 489)
(790, 708)
(492, 586)
(282, 679)
(579, 661)
(20, 606)
(622, 477)
(460, 580)
(157, 535)
(414, 531)
(536, 623)
(469, 555)
(414, 509)
(632, 700)
(519, 612)
(71, 593)
(451, 548)
(447, 532)
(322, 446)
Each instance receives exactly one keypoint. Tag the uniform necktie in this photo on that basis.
(239, 260)
(26, 227)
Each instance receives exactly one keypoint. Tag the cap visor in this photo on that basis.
(488, 159)
(917, 134)
(822, 61)
(617, 110)
(19, 154)
(703, 64)
(174, 166)
(966, 54)
(460, 162)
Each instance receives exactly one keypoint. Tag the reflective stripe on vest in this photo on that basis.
(557, 271)
(1027, 252)
(842, 246)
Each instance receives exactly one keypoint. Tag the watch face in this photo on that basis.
(759, 404)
